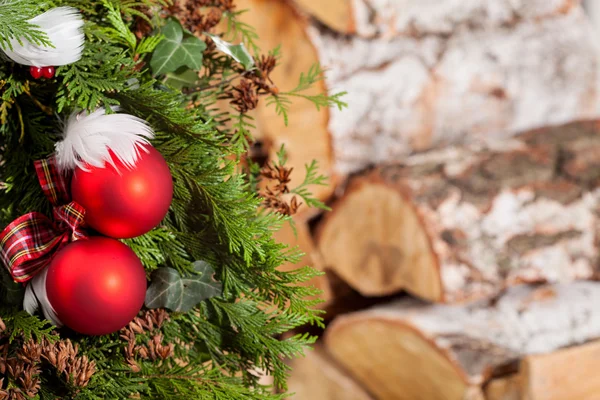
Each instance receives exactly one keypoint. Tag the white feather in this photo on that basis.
(89, 138)
(36, 296)
(63, 26)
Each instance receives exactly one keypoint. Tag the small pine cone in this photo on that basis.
(294, 205)
(136, 326)
(266, 65)
(244, 96)
(49, 353)
(143, 352)
(134, 366)
(15, 394)
(130, 349)
(158, 350)
(164, 352)
(226, 5)
(85, 372)
(212, 19)
(30, 381)
(160, 316)
(148, 322)
(15, 368)
(127, 334)
(30, 352)
(157, 317)
(3, 358)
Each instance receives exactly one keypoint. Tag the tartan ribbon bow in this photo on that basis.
(28, 243)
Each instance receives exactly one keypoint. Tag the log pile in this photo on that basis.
(462, 251)
(414, 350)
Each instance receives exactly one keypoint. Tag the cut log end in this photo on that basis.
(374, 241)
(318, 377)
(466, 222)
(411, 350)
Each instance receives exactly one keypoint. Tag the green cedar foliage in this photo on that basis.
(216, 217)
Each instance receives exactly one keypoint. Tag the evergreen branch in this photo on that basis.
(21, 324)
(305, 82)
(312, 177)
(246, 32)
(15, 16)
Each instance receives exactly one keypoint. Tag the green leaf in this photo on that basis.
(168, 289)
(176, 51)
(179, 80)
(237, 51)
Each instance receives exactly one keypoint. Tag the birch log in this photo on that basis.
(370, 18)
(457, 72)
(411, 350)
(465, 222)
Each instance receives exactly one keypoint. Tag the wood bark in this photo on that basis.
(457, 72)
(317, 377)
(371, 18)
(306, 137)
(419, 351)
(466, 222)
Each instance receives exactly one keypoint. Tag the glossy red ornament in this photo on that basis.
(96, 286)
(48, 72)
(128, 202)
(36, 72)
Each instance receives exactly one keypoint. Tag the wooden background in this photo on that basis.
(461, 256)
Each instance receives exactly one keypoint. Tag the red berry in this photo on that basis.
(36, 72)
(48, 72)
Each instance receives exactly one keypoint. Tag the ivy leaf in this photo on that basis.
(185, 79)
(168, 289)
(176, 50)
(236, 51)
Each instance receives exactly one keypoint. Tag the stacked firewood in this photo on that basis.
(461, 253)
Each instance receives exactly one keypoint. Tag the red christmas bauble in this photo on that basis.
(96, 286)
(125, 203)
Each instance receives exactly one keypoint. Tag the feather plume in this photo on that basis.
(36, 296)
(89, 140)
(63, 26)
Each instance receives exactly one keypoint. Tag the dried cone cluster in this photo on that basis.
(200, 16)
(277, 178)
(147, 325)
(23, 369)
(244, 96)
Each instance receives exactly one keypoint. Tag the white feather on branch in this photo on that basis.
(89, 140)
(63, 26)
(36, 296)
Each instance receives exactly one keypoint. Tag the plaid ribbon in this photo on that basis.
(28, 243)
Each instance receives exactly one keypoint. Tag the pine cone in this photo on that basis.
(157, 350)
(30, 381)
(30, 352)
